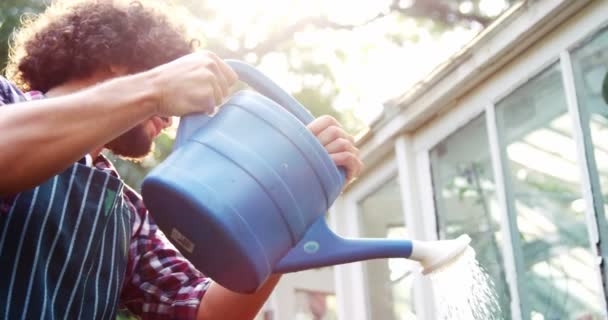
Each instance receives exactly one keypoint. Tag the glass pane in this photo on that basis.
(465, 200)
(315, 305)
(389, 281)
(535, 129)
(590, 64)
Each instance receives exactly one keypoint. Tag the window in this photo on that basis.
(465, 200)
(590, 66)
(544, 191)
(389, 281)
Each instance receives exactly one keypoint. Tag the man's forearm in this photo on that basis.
(41, 138)
(221, 303)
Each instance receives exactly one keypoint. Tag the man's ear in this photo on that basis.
(605, 88)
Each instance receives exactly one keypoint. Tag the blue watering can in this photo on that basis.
(245, 192)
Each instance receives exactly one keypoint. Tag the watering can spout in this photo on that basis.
(433, 255)
(321, 247)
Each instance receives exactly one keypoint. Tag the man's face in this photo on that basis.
(138, 142)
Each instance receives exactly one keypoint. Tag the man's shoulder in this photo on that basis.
(9, 92)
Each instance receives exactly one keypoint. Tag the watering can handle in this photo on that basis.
(258, 81)
(262, 84)
(265, 86)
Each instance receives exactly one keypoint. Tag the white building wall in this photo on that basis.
(464, 108)
(407, 155)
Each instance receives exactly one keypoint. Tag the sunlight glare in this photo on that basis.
(368, 68)
(351, 12)
(493, 7)
(466, 7)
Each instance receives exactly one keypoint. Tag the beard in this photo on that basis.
(133, 144)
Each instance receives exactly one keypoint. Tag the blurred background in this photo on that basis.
(340, 57)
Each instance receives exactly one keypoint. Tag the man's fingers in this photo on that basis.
(341, 145)
(350, 162)
(229, 74)
(332, 133)
(226, 71)
(321, 123)
(193, 83)
(214, 66)
(223, 85)
(217, 92)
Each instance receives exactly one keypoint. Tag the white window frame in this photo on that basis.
(412, 160)
(553, 48)
(391, 168)
(590, 186)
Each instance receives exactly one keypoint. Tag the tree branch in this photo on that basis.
(438, 11)
(435, 10)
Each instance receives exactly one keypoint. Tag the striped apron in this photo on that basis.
(63, 248)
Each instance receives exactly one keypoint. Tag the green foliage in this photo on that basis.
(11, 12)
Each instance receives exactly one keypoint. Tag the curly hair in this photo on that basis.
(72, 39)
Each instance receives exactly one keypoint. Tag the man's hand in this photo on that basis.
(339, 144)
(197, 82)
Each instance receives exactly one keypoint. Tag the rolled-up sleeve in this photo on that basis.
(8, 92)
(160, 283)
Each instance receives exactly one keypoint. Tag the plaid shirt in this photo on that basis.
(160, 283)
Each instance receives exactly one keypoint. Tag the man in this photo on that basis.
(75, 243)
